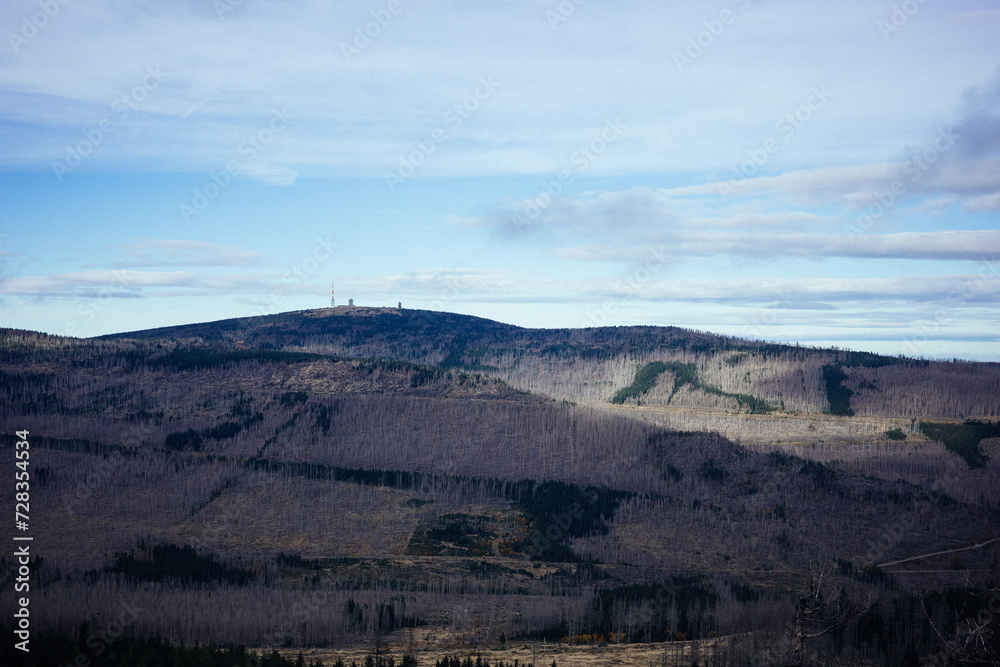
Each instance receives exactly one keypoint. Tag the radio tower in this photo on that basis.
(333, 303)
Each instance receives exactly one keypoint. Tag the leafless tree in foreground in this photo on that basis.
(819, 612)
(975, 639)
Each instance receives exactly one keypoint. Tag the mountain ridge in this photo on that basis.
(434, 471)
(592, 364)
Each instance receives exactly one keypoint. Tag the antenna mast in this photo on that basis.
(332, 301)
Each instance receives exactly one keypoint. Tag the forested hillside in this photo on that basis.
(345, 476)
(593, 364)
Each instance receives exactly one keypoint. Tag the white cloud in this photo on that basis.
(156, 252)
(269, 175)
(222, 76)
(822, 185)
(686, 133)
(132, 283)
(984, 203)
(951, 245)
(961, 290)
(615, 226)
(473, 285)
(113, 284)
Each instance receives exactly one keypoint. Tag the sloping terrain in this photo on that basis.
(584, 365)
(338, 474)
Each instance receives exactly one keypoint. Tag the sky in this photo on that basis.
(818, 173)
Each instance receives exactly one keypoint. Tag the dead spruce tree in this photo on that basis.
(819, 612)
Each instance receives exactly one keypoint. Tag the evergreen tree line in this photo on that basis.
(455, 661)
(57, 649)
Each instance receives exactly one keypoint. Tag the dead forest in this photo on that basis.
(328, 479)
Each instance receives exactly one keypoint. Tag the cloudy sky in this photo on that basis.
(822, 173)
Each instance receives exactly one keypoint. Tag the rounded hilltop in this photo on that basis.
(355, 311)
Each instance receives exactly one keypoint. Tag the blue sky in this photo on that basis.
(822, 173)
